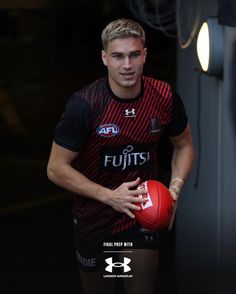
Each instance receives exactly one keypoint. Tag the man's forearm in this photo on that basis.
(70, 179)
(181, 165)
(182, 162)
(122, 199)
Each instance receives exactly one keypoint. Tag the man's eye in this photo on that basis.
(117, 56)
(135, 54)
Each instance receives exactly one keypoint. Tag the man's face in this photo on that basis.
(124, 59)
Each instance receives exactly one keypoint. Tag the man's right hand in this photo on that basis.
(123, 199)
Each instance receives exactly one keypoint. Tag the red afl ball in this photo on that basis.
(156, 211)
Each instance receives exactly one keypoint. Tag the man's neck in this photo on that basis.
(125, 92)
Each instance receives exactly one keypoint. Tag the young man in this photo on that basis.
(104, 146)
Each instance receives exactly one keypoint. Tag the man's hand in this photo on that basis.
(122, 198)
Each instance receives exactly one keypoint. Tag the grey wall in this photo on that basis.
(206, 217)
(228, 166)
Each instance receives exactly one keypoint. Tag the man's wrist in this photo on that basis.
(175, 187)
(104, 194)
(177, 180)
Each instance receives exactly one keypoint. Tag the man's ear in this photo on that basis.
(104, 57)
(145, 54)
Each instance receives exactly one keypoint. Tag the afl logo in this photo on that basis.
(108, 130)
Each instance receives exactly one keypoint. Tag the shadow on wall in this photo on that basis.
(232, 100)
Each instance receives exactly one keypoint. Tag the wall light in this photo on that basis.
(210, 47)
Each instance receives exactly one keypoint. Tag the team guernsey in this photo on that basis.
(117, 141)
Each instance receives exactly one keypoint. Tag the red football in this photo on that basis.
(155, 213)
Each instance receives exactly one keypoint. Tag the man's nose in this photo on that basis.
(127, 63)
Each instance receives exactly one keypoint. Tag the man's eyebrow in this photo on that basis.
(115, 53)
(136, 51)
(121, 53)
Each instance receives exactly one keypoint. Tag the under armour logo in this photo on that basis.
(112, 264)
(130, 113)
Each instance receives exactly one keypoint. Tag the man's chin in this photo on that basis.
(128, 83)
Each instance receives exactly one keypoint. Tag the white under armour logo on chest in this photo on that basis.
(130, 112)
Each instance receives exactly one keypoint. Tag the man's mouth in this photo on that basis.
(127, 74)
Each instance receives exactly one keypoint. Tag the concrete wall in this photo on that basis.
(206, 218)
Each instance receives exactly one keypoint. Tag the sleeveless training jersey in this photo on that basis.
(117, 141)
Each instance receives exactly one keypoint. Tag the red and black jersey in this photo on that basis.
(117, 141)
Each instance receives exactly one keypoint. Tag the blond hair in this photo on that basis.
(122, 28)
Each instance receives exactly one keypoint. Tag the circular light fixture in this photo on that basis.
(210, 47)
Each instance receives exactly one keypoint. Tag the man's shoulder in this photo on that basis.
(158, 88)
(158, 84)
(92, 89)
(90, 97)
